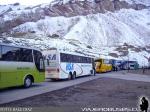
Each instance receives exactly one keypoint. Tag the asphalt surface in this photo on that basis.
(18, 93)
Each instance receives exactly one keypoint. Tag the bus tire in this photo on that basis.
(27, 81)
(70, 76)
(74, 75)
(53, 80)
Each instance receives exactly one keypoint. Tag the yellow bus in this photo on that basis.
(102, 65)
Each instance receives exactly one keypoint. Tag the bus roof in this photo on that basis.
(19, 46)
(67, 52)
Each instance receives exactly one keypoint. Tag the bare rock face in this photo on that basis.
(70, 9)
(85, 7)
(107, 5)
(119, 5)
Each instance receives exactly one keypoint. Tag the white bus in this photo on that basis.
(61, 65)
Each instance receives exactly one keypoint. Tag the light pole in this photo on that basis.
(149, 62)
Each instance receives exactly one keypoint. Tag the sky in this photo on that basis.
(24, 2)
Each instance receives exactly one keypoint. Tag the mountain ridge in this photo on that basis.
(69, 9)
(113, 30)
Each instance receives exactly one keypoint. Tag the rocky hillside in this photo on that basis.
(14, 15)
(110, 28)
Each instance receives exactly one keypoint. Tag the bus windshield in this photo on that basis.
(51, 60)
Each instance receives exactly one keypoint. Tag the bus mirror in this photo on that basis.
(41, 63)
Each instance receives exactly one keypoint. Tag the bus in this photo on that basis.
(61, 65)
(124, 64)
(117, 64)
(102, 65)
(130, 65)
(20, 66)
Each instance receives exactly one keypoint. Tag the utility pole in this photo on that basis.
(149, 63)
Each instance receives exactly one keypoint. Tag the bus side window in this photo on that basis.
(68, 58)
(25, 55)
(10, 53)
(63, 57)
(82, 60)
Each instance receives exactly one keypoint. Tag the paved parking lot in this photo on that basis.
(16, 93)
(103, 92)
(12, 94)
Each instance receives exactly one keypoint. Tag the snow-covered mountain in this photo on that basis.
(109, 28)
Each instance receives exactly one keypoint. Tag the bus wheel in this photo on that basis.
(70, 76)
(74, 75)
(53, 80)
(27, 82)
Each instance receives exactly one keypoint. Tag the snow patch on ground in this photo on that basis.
(95, 34)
